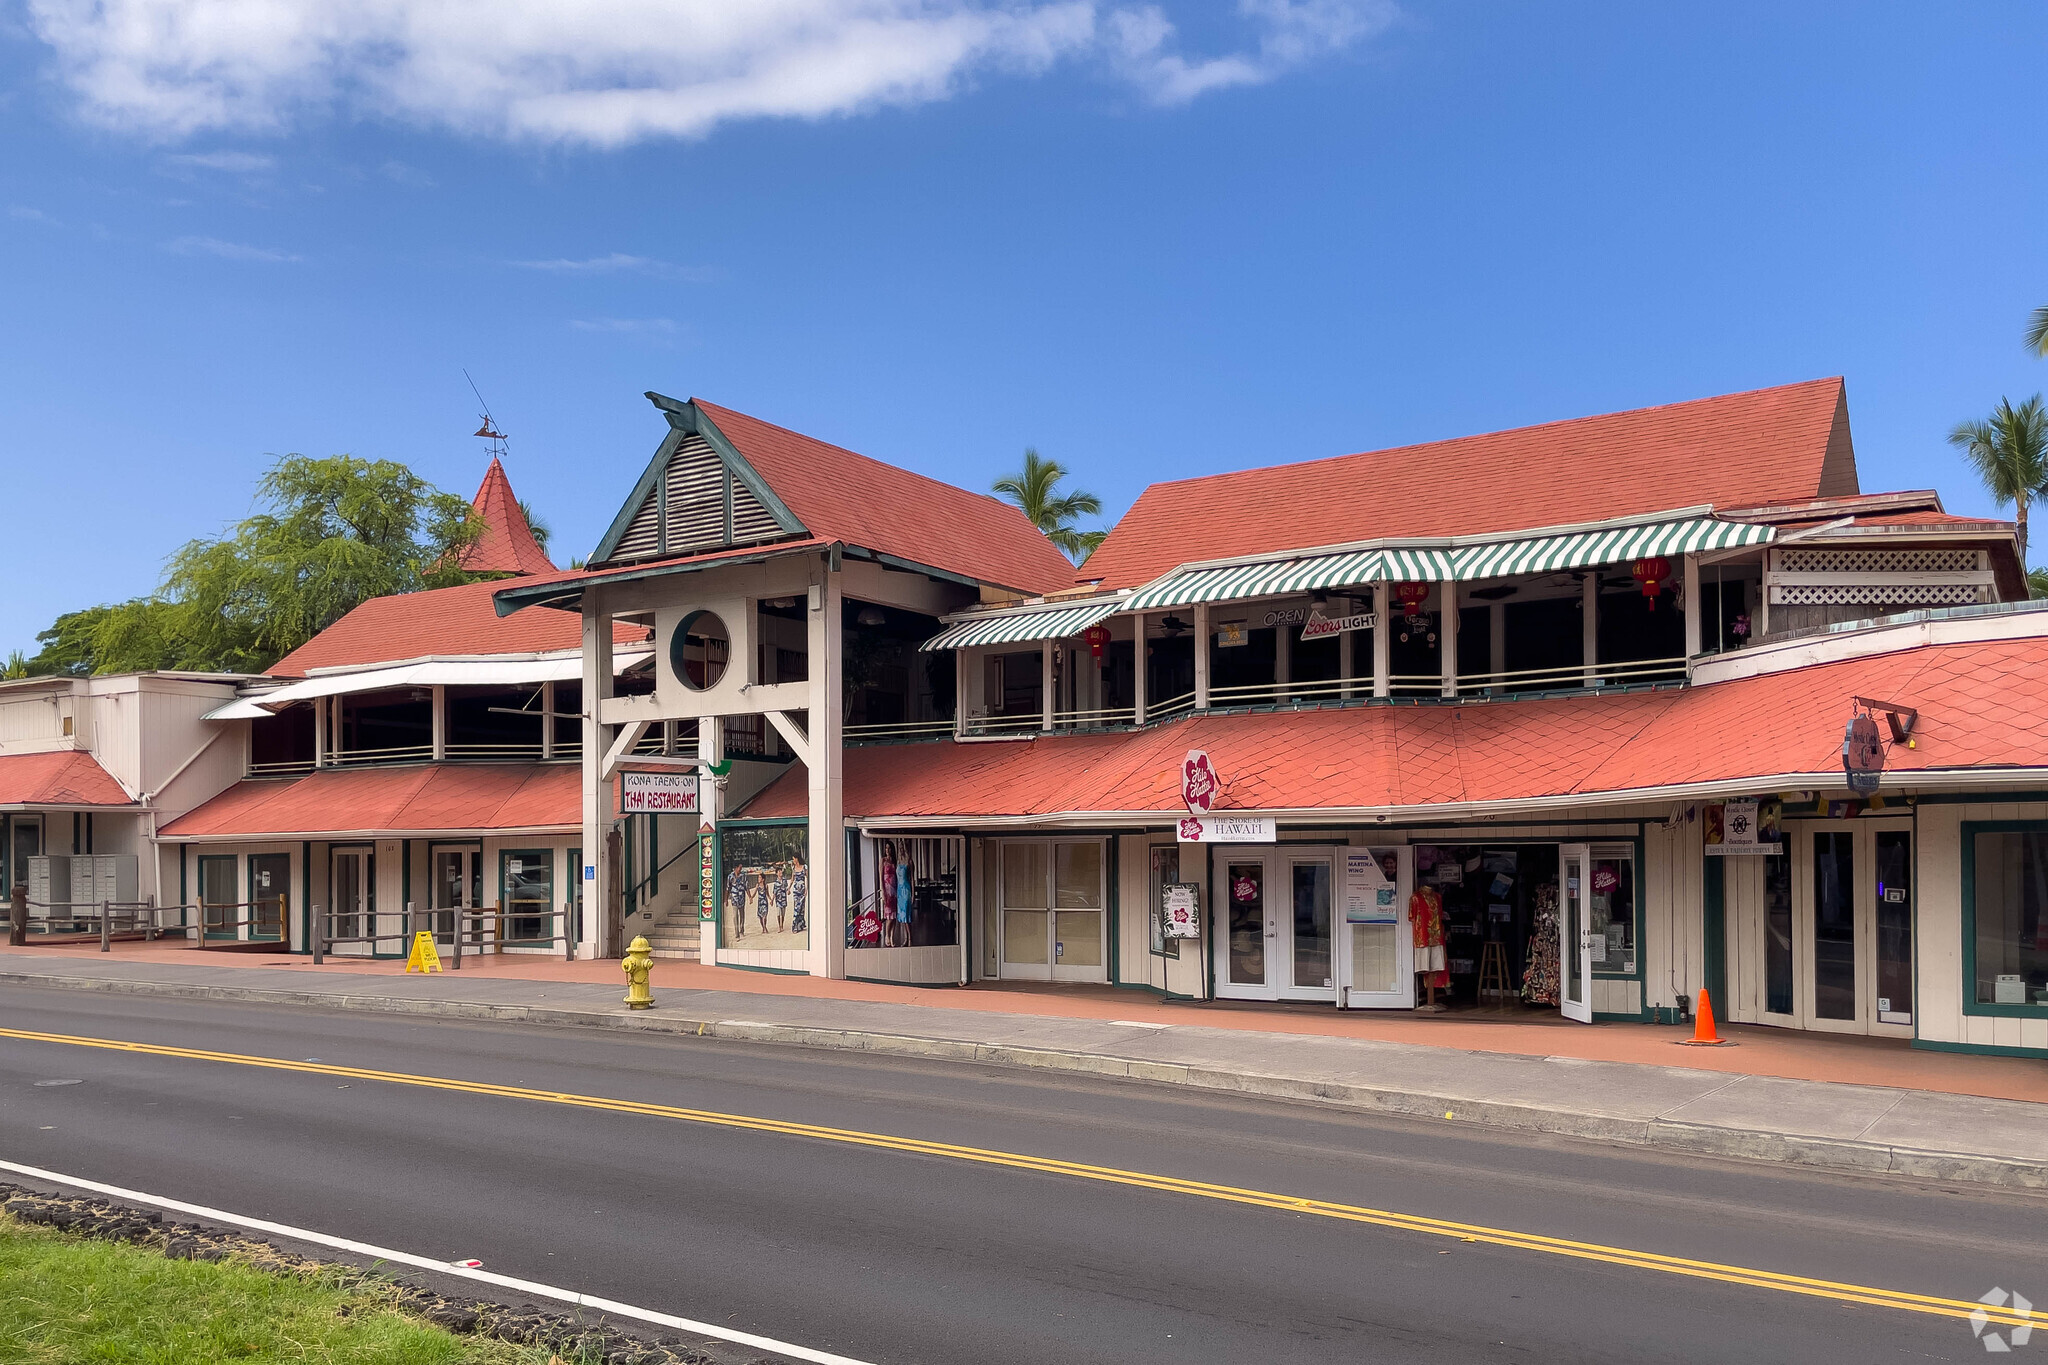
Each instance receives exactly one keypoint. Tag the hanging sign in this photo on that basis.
(1734, 829)
(1229, 634)
(1228, 829)
(1199, 785)
(1320, 626)
(1368, 895)
(1181, 909)
(1862, 755)
(658, 793)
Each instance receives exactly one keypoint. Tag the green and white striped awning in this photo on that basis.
(1547, 554)
(1276, 577)
(1023, 627)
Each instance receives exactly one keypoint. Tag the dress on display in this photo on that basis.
(1426, 920)
(1539, 982)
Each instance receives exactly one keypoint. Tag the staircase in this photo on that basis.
(676, 935)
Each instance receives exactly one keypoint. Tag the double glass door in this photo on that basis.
(1277, 915)
(352, 900)
(1053, 910)
(1838, 941)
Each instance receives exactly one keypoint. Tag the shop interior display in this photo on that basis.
(1539, 979)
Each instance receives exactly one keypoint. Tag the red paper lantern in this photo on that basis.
(1097, 636)
(1653, 573)
(1411, 596)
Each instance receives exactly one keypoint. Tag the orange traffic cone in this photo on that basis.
(1703, 1034)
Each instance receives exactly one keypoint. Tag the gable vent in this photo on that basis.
(696, 505)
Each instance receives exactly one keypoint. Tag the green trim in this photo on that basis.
(888, 561)
(691, 418)
(235, 867)
(1714, 930)
(783, 971)
(1963, 799)
(184, 892)
(405, 882)
(284, 919)
(1979, 1049)
(369, 885)
(504, 925)
(576, 896)
(1112, 907)
(1971, 1006)
(870, 980)
(305, 897)
(6, 854)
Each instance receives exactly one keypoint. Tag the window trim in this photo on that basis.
(1971, 1006)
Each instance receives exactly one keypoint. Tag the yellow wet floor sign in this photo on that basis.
(423, 958)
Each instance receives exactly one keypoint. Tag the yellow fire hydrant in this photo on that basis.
(639, 964)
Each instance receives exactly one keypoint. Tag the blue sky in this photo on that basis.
(1150, 241)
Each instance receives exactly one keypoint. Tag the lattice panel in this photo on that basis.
(1902, 594)
(1935, 559)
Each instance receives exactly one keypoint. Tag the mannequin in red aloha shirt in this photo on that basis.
(1426, 921)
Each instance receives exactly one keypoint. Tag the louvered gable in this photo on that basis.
(698, 499)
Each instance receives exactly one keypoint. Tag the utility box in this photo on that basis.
(82, 878)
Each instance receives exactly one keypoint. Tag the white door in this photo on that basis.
(1851, 884)
(1574, 935)
(1279, 924)
(1052, 900)
(1375, 947)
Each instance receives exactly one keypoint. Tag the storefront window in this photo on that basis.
(910, 894)
(1777, 935)
(767, 900)
(1611, 911)
(2010, 892)
(529, 882)
(1077, 876)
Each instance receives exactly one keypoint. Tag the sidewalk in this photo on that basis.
(1779, 1096)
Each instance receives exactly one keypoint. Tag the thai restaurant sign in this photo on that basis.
(658, 793)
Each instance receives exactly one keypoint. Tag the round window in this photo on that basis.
(700, 650)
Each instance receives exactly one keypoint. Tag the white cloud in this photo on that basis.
(235, 163)
(1292, 33)
(24, 213)
(639, 326)
(618, 263)
(611, 72)
(227, 251)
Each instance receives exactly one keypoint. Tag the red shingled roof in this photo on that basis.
(507, 544)
(1772, 445)
(425, 799)
(444, 621)
(839, 495)
(64, 777)
(1980, 706)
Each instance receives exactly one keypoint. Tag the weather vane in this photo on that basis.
(488, 430)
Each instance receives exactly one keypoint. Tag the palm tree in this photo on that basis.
(1035, 490)
(2037, 331)
(542, 533)
(2009, 451)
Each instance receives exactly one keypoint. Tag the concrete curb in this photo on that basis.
(1839, 1154)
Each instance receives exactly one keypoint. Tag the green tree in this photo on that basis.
(1035, 490)
(2037, 331)
(327, 535)
(2009, 451)
(2037, 582)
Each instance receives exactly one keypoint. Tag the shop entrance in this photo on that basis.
(1278, 939)
(1838, 932)
(1515, 924)
(1052, 900)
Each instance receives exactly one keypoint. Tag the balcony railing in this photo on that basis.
(908, 729)
(1575, 677)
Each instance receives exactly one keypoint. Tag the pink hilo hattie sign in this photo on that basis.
(1199, 788)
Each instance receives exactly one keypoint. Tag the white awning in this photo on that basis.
(428, 673)
(1020, 627)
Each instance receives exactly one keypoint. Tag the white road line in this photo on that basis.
(540, 1291)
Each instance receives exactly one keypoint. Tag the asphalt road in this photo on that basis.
(890, 1256)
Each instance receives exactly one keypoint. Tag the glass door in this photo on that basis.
(1249, 931)
(1852, 886)
(270, 879)
(1375, 950)
(351, 901)
(527, 877)
(219, 896)
(1311, 970)
(1079, 911)
(1025, 912)
(1053, 910)
(1574, 934)
(457, 885)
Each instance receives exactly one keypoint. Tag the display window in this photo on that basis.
(767, 886)
(1611, 910)
(910, 893)
(2005, 895)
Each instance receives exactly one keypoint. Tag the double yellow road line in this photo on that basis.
(1110, 1175)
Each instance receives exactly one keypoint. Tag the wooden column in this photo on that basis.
(1589, 624)
(597, 790)
(1138, 667)
(319, 732)
(1695, 610)
(547, 720)
(1382, 641)
(827, 772)
(1447, 636)
(1201, 656)
(440, 723)
(1046, 698)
